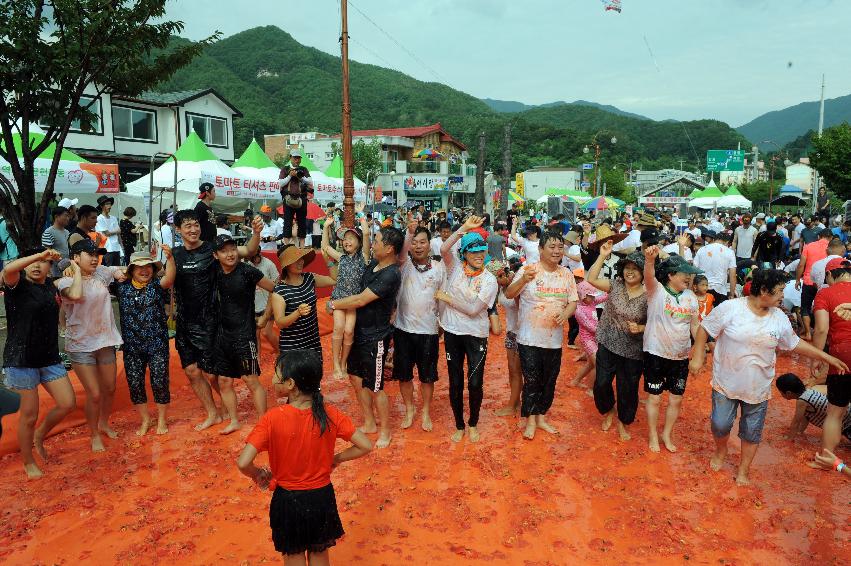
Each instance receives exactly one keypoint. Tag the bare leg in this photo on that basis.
(26, 428)
(142, 408)
(63, 393)
(258, 393)
(348, 338)
(748, 452)
(531, 427)
(515, 382)
(271, 338)
(383, 406)
(203, 391)
(623, 432)
(671, 414)
(607, 420)
(106, 380)
(337, 342)
(295, 559)
(162, 423)
(89, 378)
(213, 380)
(427, 393)
(318, 558)
(229, 401)
(365, 399)
(652, 407)
(720, 453)
(406, 388)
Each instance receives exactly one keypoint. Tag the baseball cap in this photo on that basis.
(837, 263)
(760, 216)
(650, 236)
(83, 244)
(224, 239)
(204, 188)
(67, 203)
(295, 153)
(472, 242)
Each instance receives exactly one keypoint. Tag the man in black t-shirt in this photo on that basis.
(367, 361)
(235, 353)
(204, 212)
(197, 308)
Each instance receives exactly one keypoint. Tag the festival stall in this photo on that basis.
(734, 199)
(328, 186)
(708, 198)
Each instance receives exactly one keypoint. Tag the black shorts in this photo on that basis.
(839, 390)
(420, 350)
(194, 347)
(808, 295)
(662, 374)
(304, 520)
(368, 361)
(236, 358)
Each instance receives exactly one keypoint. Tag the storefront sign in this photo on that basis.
(426, 183)
(72, 176)
(663, 200)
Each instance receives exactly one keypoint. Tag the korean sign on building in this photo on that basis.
(425, 183)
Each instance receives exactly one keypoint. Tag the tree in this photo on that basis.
(50, 52)
(367, 159)
(831, 155)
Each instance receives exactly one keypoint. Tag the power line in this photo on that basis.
(373, 53)
(398, 44)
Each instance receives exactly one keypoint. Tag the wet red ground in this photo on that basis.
(582, 497)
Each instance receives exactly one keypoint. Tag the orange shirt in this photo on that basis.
(99, 241)
(299, 457)
(705, 304)
(814, 251)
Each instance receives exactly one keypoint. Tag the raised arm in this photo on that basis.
(366, 241)
(75, 291)
(12, 270)
(327, 250)
(471, 223)
(594, 273)
(170, 268)
(250, 248)
(650, 283)
(409, 236)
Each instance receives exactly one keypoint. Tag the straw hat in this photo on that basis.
(572, 237)
(605, 233)
(292, 254)
(141, 259)
(645, 219)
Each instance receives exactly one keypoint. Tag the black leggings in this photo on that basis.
(134, 366)
(300, 214)
(540, 367)
(459, 346)
(627, 374)
(573, 330)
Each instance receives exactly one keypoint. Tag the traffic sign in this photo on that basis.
(725, 160)
(584, 184)
(587, 166)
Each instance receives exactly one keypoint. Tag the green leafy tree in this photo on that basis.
(831, 155)
(50, 52)
(367, 159)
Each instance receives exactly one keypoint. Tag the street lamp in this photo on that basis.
(596, 145)
(774, 158)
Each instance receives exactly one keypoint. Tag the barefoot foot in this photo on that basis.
(233, 426)
(97, 444)
(742, 479)
(666, 439)
(474, 434)
(717, 461)
(506, 411)
(211, 420)
(409, 418)
(33, 471)
(368, 428)
(531, 426)
(143, 428)
(162, 427)
(38, 444)
(654, 444)
(457, 435)
(607, 421)
(107, 430)
(383, 440)
(544, 425)
(427, 426)
(623, 432)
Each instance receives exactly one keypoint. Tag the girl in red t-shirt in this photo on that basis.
(300, 438)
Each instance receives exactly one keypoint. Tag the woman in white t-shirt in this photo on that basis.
(748, 331)
(673, 317)
(468, 292)
(547, 293)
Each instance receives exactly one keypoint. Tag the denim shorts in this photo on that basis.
(29, 378)
(723, 416)
(102, 357)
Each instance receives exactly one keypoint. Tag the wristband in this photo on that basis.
(840, 467)
(331, 306)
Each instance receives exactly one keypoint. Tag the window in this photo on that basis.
(134, 124)
(329, 155)
(309, 155)
(95, 126)
(212, 131)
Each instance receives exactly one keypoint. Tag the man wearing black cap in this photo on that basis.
(295, 185)
(235, 352)
(204, 212)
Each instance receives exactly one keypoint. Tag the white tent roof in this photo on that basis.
(734, 201)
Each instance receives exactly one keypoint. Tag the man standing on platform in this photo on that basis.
(204, 212)
(295, 185)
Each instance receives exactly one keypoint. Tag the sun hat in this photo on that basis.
(295, 153)
(674, 264)
(292, 254)
(635, 257)
(67, 203)
(645, 219)
(266, 209)
(572, 237)
(102, 200)
(604, 233)
(471, 242)
(343, 230)
(141, 259)
(224, 239)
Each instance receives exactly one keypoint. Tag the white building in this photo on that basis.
(538, 180)
(802, 175)
(746, 176)
(130, 130)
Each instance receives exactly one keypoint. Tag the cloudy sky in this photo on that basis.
(685, 59)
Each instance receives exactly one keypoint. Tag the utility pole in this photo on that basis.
(346, 135)
(755, 163)
(681, 164)
(820, 128)
(480, 176)
(506, 169)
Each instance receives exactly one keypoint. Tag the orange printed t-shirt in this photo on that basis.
(705, 304)
(299, 457)
(814, 251)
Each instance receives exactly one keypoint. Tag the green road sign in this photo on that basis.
(725, 160)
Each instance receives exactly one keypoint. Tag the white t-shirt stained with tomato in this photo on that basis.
(668, 330)
(743, 365)
(540, 302)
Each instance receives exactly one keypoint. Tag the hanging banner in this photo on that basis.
(325, 189)
(519, 185)
(72, 177)
(426, 183)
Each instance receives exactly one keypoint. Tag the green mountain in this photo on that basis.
(507, 106)
(283, 86)
(784, 126)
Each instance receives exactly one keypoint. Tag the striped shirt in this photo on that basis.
(303, 334)
(816, 410)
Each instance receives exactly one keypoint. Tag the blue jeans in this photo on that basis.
(30, 378)
(723, 416)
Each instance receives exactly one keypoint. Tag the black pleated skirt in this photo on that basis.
(304, 520)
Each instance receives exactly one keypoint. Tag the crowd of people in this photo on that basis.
(644, 295)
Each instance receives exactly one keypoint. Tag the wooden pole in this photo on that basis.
(506, 169)
(348, 167)
(480, 176)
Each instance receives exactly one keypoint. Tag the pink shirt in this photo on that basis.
(90, 321)
(814, 251)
